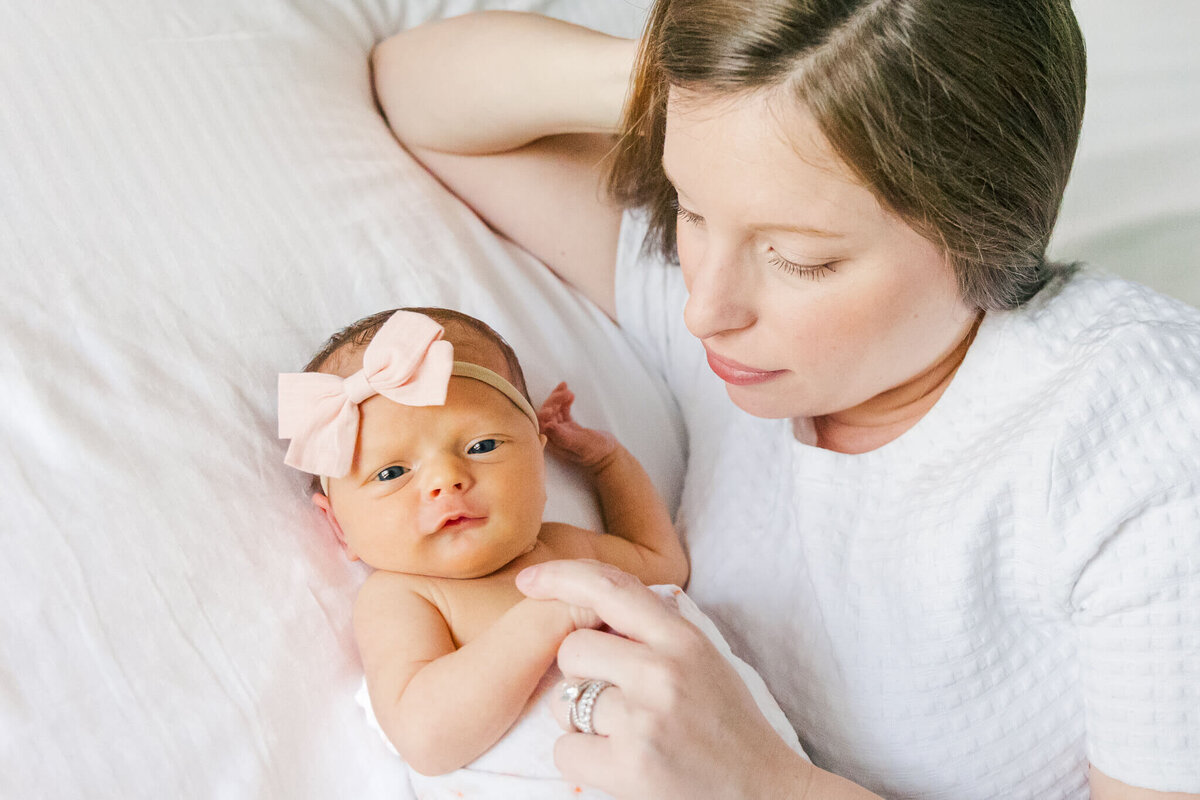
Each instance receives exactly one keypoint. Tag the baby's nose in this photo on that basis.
(447, 475)
(437, 489)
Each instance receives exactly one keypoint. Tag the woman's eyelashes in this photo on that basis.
(813, 271)
(687, 216)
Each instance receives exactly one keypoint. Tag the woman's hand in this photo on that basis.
(678, 721)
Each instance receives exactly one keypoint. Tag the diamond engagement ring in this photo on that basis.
(581, 697)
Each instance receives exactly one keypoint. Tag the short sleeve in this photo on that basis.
(1139, 635)
(1127, 493)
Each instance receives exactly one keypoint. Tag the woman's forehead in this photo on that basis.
(764, 153)
(773, 118)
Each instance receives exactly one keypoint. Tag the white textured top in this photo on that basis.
(1008, 591)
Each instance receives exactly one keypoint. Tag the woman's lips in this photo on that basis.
(738, 374)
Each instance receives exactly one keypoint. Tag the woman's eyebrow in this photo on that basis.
(806, 230)
(802, 229)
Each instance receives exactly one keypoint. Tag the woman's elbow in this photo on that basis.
(385, 71)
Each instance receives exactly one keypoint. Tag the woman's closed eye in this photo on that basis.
(391, 473)
(688, 216)
(813, 271)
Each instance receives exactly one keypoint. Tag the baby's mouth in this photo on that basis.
(455, 522)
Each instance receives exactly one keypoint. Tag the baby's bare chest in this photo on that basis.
(470, 607)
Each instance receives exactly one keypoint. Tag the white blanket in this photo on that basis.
(192, 196)
(521, 765)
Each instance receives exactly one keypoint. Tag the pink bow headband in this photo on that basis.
(407, 362)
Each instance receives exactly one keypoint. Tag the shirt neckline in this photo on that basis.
(970, 382)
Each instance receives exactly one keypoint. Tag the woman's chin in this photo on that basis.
(764, 404)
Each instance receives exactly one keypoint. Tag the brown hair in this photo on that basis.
(960, 116)
(359, 334)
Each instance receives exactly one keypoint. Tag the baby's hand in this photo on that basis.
(567, 437)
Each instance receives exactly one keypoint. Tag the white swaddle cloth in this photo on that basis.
(521, 765)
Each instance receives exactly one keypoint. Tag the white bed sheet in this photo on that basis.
(192, 196)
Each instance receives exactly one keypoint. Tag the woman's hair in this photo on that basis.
(960, 116)
(458, 326)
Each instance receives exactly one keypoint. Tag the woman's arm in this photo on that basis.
(515, 114)
(1106, 788)
(443, 707)
(493, 81)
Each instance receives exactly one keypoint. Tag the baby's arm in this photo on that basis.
(645, 542)
(442, 707)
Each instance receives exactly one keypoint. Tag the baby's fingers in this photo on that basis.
(557, 405)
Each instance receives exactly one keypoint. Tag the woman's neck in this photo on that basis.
(886, 416)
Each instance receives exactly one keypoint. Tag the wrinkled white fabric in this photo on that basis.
(521, 765)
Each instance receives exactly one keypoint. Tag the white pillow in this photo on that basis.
(192, 197)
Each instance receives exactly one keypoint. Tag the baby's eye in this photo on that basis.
(483, 446)
(391, 473)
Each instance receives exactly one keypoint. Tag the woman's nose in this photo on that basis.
(719, 296)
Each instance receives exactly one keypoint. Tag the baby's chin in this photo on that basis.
(484, 560)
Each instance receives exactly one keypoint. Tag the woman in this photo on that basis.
(957, 482)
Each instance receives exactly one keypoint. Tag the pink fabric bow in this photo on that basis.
(407, 362)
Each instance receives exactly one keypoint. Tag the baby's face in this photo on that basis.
(453, 491)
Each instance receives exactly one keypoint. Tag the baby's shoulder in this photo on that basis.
(384, 590)
(562, 540)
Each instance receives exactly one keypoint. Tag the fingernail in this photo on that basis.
(526, 577)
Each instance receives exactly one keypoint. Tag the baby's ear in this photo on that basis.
(321, 501)
(542, 438)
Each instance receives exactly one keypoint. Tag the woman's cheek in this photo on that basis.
(689, 250)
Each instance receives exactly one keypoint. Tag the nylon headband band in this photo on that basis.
(465, 369)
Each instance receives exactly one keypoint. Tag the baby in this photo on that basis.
(431, 470)
(429, 464)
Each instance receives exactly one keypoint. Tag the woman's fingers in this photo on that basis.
(679, 721)
(603, 656)
(618, 598)
(586, 760)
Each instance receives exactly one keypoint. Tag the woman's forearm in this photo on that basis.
(460, 704)
(493, 81)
